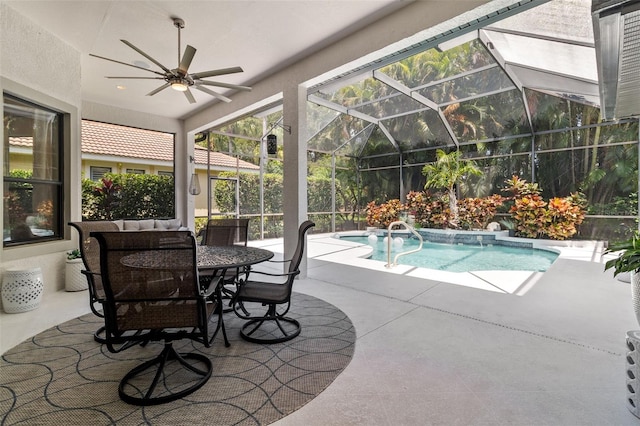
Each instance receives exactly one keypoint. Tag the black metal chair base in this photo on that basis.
(252, 326)
(98, 336)
(147, 392)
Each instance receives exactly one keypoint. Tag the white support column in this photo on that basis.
(295, 168)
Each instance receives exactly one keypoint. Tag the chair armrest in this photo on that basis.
(284, 274)
(211, 288)
(279, 261)
(89, 274)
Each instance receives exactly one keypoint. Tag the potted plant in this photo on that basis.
(628, 261)
(73, 278)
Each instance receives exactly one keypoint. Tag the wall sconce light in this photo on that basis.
(272, 144)
(194, 183)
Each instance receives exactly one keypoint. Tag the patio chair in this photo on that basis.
(226, 232)
(152, 293)
(90, 253)
(272, 325)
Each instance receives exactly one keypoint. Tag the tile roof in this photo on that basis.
(121, 141)
(113, 140)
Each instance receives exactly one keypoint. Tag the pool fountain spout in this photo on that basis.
(390, 240)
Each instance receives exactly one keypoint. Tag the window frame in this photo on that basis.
(70, 166)
(136, 171)
(95, 168)
(55, 183)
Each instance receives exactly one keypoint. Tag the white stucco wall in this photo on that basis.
(39, 67)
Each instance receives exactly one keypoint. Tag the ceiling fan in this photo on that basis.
(179, 78)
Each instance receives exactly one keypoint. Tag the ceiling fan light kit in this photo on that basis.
(179, 85)
(179, 78)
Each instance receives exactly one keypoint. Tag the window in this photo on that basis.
(136, 171)
(165, 173)
(32, 172)
(98, 172)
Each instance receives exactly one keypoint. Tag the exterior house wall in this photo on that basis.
(200, 201)
(37, 66)
(183, 146)
(122, 167)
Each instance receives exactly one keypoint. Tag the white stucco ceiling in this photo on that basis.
(262, 37)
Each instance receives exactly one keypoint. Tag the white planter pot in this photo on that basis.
(74, 280)
(21, 290)
(635, 294)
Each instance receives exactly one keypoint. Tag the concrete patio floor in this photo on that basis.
(430, 352)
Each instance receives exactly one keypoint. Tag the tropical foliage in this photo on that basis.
(557, 218)
(533, 217)
(432, 211)
(383, 215)
(628, 255)
(128, 196)
(446, 172)
(564, 147)
(477, 213)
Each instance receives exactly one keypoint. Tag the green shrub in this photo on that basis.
(128, 196)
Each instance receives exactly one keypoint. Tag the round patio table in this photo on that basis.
(225, 257)
(208, 257)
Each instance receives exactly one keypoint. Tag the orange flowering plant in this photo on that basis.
(476, 213)
(536, 218)
(382, 215)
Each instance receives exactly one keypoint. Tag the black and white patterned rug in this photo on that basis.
(61, 376)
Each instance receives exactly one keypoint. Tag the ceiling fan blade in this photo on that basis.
(153, 92)
(139, 78)
(213, 73)
(165, 69)
(124, 63)
(189, 96)
(212, 93)
(187, 57)
(227, 85)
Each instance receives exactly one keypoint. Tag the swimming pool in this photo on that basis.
(462, 257)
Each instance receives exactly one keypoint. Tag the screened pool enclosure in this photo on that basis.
(518, 97)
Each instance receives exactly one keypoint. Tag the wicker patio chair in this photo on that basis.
(272, 325)
(152, 293)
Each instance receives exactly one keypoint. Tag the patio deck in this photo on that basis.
(430, 352)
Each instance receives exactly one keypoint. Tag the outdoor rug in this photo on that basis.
(62, 377)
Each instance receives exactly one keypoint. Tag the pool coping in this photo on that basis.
(328, 247)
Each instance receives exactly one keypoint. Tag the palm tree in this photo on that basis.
(445, 173)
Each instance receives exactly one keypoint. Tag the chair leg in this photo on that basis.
(144, 394)
(97, 336)
(220, 324)
(253, 325)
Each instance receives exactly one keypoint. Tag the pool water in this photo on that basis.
(463, 258)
